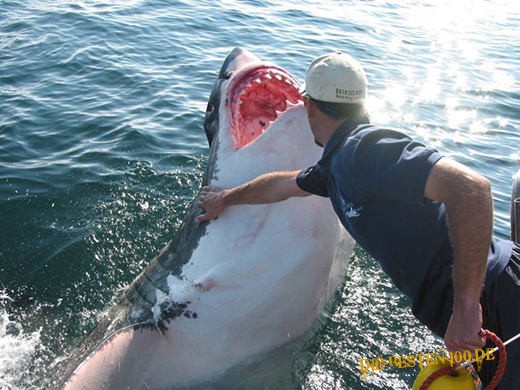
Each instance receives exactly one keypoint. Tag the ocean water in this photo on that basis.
(102, 149)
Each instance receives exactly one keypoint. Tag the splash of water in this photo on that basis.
(16, 348)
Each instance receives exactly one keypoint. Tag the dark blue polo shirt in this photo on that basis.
(375, 179)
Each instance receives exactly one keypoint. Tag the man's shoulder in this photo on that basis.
(369, 138)
(370, 131)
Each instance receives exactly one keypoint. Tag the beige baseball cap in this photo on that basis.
(335, 78)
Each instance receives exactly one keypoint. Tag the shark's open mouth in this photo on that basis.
(258, 96)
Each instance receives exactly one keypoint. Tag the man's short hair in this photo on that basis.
(340, 110)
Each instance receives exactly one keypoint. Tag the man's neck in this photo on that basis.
(329, 126)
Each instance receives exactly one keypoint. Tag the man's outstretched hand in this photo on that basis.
(212, 201)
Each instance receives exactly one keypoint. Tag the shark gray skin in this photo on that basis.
(239, 286)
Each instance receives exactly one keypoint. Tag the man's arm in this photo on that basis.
(469, 206)
(267, 188)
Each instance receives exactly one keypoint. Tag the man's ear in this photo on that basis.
(310, 106)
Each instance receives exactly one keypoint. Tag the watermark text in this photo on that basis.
(424, 359)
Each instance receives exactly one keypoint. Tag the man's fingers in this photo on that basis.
(202, 218)
(209, 202)
(206, 193)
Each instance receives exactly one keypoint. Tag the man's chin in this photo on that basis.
(318, 143)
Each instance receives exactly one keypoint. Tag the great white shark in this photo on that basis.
(239, 286)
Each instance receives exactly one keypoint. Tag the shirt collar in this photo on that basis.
(342, 132)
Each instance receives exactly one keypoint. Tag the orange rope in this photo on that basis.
(502, 357)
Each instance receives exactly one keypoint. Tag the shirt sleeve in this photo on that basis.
(390, 164)
(313, 181)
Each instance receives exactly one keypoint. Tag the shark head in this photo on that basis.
(249, 95)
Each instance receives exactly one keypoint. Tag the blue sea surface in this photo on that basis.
(102, 150)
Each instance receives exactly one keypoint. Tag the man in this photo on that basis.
(424, 217)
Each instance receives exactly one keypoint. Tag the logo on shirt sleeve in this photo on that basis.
(350, 210)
